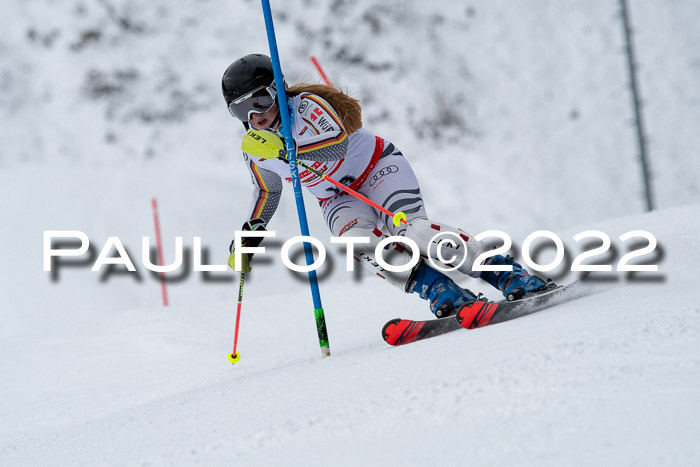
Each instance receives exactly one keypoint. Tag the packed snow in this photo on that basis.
(516, 117)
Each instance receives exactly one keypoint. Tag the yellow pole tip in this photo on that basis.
(234, 358)
(399, 217)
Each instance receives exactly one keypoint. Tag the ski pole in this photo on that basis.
(398, 218)
(234, 357)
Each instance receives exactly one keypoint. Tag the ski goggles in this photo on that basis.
(257, 101)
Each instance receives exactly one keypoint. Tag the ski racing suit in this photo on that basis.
(368, 164)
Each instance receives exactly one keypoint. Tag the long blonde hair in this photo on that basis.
(348, 108)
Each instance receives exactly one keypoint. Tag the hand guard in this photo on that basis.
(249, 226)
(263, 144)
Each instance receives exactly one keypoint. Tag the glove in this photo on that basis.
(263, 144)
(251, 225)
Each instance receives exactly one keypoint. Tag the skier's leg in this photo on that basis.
(450, 247)
(348, 217)
(443, 294)
(393, 185)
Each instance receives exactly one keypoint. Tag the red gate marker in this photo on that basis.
(320, 71)
(160, 250)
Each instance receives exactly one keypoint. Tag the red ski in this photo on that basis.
(403, 331)
(478, 314)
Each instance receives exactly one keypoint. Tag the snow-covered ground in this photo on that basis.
(91, 376)
(104, 105)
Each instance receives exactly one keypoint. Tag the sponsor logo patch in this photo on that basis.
(347, 227)
(303, 106)
(383, 172)
(315, 114)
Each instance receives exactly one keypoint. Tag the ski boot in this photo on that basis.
(444, 295)
(516, 283)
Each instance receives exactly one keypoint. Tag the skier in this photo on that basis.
(328, 133)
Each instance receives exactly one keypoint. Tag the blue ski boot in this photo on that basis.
(516, 283)
(444, 295)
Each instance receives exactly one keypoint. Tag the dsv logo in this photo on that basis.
(385, 171)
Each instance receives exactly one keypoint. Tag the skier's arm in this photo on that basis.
(267, 191)
(329, 141)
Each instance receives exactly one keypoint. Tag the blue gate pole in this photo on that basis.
(292, 157)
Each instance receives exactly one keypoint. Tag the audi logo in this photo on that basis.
(385, 171)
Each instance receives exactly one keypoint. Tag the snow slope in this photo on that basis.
(609, 379)
(104, 105)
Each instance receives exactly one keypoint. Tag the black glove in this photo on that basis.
(251, 225)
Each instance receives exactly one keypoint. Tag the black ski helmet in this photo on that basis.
(246, 75)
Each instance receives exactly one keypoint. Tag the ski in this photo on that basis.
(403, 331)
(478, 314)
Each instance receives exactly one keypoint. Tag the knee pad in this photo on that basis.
(454, 244)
